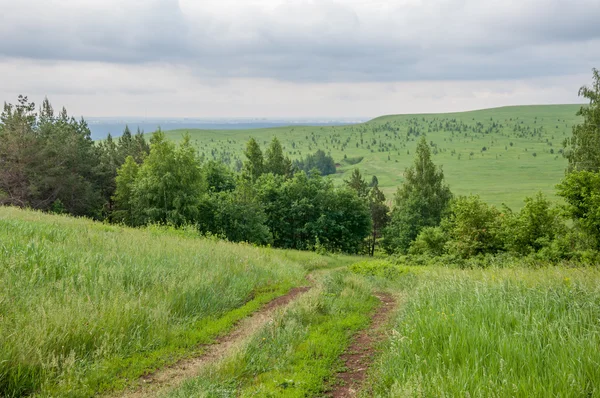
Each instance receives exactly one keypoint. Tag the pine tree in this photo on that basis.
(419, 202)
(358, 184)
(254, 165)
(275, 161)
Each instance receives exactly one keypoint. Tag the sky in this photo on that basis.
(295, 58)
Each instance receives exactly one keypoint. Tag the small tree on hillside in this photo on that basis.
(419, 202)
(358, 184)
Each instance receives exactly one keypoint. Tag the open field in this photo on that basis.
(87, 309)
(503, 154)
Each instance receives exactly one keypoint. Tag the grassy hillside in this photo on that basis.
(503, 154)
(86, 305)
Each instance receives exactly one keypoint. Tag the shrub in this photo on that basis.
(534, 228)
(473, 227)
(430, 241)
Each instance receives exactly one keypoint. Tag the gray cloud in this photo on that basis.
(317, 41)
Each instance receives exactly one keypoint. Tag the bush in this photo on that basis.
(534, 228)
(430, 241)
(473, 228)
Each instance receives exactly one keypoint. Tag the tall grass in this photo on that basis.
(85, 305)
(496, 333)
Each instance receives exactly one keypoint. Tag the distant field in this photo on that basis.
(503, 154)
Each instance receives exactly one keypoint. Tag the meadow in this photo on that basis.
(87, 308)
(502, 154)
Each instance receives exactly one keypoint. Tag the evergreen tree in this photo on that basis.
(358, 184)
(320, 161)
(254, 164)
(275, 161)
(583, 147)
(419, 202)
(125, 144)
(47, 159)
(374, 182)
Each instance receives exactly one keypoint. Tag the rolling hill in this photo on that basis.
(502, 154)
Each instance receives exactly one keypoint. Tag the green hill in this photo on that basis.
(503, 154)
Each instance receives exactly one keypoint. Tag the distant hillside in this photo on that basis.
(503, 154)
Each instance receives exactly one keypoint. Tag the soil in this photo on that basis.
(361, 352)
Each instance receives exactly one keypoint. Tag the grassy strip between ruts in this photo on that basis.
(297, 354)
(495, 333)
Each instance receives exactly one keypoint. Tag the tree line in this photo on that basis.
(49, 162)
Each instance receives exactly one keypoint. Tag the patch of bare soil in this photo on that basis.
(359, 355)
(156, 383)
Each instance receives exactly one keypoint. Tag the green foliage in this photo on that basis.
(254, 164)
(534, 228)
(354, 160)
(581, 191)
(583, 148)
(380, 268)
(420, 201)
(473, 227)
(168, 184)
(431, 241)
(380, 216)
(357, 183)
(46, 158)
(218, 177)
(275, 161)
(125, 210)
(305, 208)
(319, 160)
(234, 215)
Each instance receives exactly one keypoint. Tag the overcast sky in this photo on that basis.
(295, 58)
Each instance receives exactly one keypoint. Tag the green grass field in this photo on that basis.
(521, 154)
(87, 308)
(84, 305)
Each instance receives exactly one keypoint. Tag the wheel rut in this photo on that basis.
(156, 383)
(359, 355)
